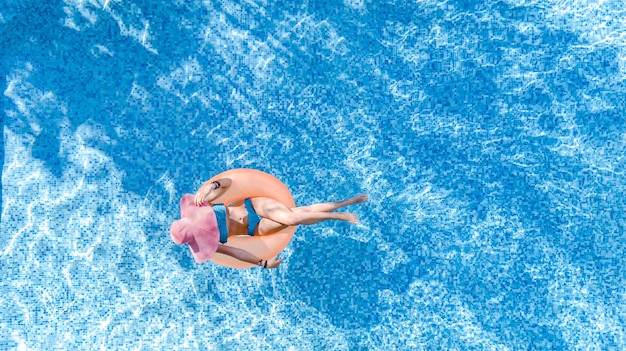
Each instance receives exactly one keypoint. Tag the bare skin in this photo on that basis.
(275, 217)
(245, 256)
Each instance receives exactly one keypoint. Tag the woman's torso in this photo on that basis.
(237, 219)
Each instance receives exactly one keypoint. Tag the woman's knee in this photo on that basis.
(300, 209)
(291, 219)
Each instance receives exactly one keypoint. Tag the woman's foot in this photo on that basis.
(360, 199)
(348, 217)
(353, 200)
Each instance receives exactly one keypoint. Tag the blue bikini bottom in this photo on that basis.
(253, 218)
(220, 215)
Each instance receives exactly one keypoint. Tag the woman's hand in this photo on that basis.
(274, 262)
(201, 196)
(211, 191)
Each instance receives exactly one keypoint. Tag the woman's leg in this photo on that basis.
(278, 212)
(331, 206)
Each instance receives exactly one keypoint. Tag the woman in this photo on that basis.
(264, 216)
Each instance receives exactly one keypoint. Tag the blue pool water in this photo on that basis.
(489, 135)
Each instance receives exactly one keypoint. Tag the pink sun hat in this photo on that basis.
(198, 228)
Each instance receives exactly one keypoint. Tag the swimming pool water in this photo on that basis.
(490, 137)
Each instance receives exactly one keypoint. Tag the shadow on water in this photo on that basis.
(97, 88)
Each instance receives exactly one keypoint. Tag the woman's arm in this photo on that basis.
(246, 256)
(212, 191)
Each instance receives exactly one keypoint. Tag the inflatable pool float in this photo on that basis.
(198, 225)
